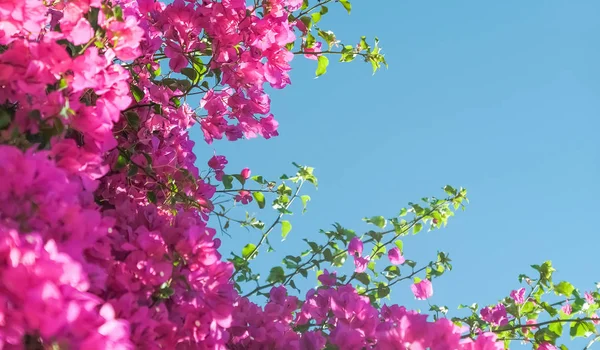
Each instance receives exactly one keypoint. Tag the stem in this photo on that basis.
(268, 231)
(512, 328)
(589, 345)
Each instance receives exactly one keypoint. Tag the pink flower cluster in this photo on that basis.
(350, 321)
(104, 242)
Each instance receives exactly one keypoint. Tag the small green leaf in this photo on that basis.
(564, 288)
(133, 169)
(417, 228)
(322, 64)
(133, 120)
(138, 94)
(581, 329)
(248, 250)
(5, 118)
(556, 328)
(151, 197)
(259, 198)
(191, 73)
(363, 278)
(316, 17)
(382, 290)
(400, 245)
(346, 5)
(227, 181)
(379, 221)
(121, 162)
(305, 198)
(276, 275)
(118, 13)
(286, 227)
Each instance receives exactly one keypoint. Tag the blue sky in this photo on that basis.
(499, 97)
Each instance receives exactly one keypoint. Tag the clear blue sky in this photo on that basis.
(500, 97)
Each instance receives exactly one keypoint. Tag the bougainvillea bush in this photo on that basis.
(105, 241)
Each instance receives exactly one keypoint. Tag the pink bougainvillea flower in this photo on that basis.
(495, 315)
(518, 296)
(526, 329)
(327, 278)
(567, 308)
(355, 247)
(546, 346)
(395, 256)
(360, 264)
(589, 298)
(245, 173)
(422, 290)
(244, 196)
(313, 53)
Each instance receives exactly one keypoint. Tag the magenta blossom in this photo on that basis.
(355, 248)
(360, 264)
(245, 173)
(567, 308)
(547, 346)
(589, 298)
(518, 296)
(422, 290)
(243, 196)
(495, 315)
(327, 278)
(395, 256)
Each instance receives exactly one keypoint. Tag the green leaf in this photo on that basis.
(363, 278)
(118, 13)
(138, 94)
(248, 250)
(346, 5)
(286, 227)
(400, 245)
(191, 73)
(378, 221)
(450, 190)
(260, 199)
(133, 120)
(417, 228)
(564, 288)
(227, 182)
(276, 275)
(382, 290)
(121, 162)
(322, 64)
(316, 17)
(305, 198)
(556, 328)
(581, 329)
(151, 197)
(133, 169)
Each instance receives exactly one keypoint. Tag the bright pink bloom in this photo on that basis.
(495, 315)
(526, 329)
(360, 264)
(355, 247)
(518, 296)
(567, 308)
(244, 196)
(395, 256)
(316, 48)
(328, 279)
(422, 290)
(245, 173)
(589, 298)
(547, 346)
